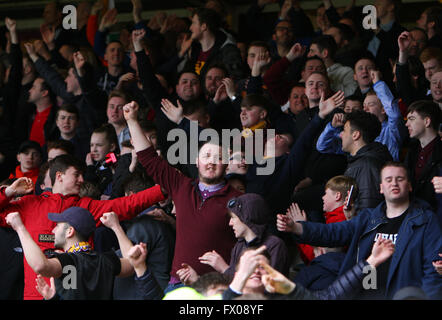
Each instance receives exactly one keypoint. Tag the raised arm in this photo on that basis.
(33, 254)
(110, 220)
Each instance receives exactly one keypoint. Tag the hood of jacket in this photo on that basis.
(253, 211)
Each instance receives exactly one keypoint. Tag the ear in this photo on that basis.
(263, 114)
(204, 27)
(427, 122)
(58, 176)
(381, 190)
(356, 135)
(45, 93)
(70, 232)
(324, 53)
(18, 157)
(338, 196)
(113, 147)
(431, 24)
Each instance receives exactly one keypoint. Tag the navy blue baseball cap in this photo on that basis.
(79, 218)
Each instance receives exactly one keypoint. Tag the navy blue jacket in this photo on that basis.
(418, 243)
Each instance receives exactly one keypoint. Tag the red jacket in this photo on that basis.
(34, 211)
(305, 250)
(201, 226)
(33, 174)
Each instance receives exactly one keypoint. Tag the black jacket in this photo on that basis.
(365, 168)
(423, 188)
(223, 51)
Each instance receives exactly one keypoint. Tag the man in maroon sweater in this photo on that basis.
(202, 220)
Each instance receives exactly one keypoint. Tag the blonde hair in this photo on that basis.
(342, 184)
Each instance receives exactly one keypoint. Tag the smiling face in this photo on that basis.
(252, 115)
(298, 100)
(314, 86)
(394, 184)
(237, 163)
(70, 181)
(114, 54)
(254, 283)
(213, 80)
(211, 170)
(188, 87)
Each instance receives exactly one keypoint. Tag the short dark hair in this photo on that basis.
(136, 182)
(62, 163)
(111, 134)
(255, 100)
(211, 279)
(313, 58)
(366, 123)
(147, 126)
(90, 190)
(42, 173)
(210, 17)
(186, 70)
(259, 44)
(397, 165)
(345, 30)
(326, 42)
(366, 55)
(353, 97)
(70, 108)
(217, 65)
(427, 108)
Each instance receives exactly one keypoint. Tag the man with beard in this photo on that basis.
(202, 218)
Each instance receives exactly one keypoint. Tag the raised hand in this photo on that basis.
(20, 187)
(40, 48)
(327, 106)
(79, 62)
(126, 78)
(185, 45)
(110, 220)
(173, 113)
(14, 220)
(48, 35)
(10, 24)
(295, 213)
(130, 111)
(284, 223)
(404, 41)
(382, 250)
(375, 75)
(275, 282)
(98, 5)
(137, 35)
(137, 257)
(108, 20)
(287, 5)
(338, 120)
(260, 62)
(187, 274)
(230, 87)
(438, 265)
(31, 51)
(137, 8)
(350, 210)
(214, 259)
(220, 94)
(46, 291)
(296, 51)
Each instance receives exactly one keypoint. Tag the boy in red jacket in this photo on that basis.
(334, 198)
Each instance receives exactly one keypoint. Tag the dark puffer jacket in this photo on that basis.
(254, 212)
(365, 168)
